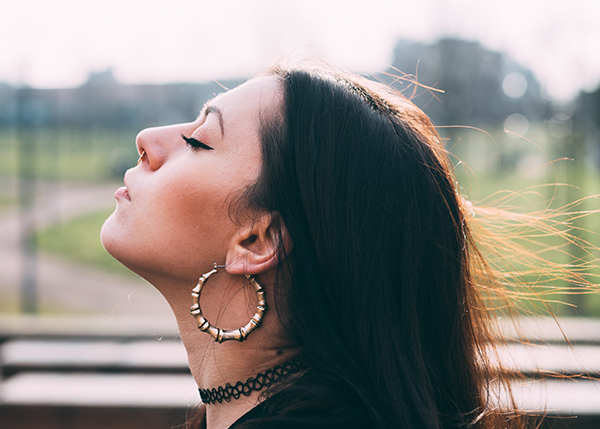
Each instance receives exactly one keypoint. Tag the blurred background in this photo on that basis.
(513, 86)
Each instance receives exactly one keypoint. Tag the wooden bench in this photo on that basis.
(98, 372)
(127, 370)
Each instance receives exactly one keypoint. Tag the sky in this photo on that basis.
(57, 43)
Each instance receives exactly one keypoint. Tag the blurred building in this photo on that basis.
(104, 102)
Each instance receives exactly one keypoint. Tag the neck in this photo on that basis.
(215, 364)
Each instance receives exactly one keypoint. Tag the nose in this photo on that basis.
(158, 143)
(151, 142)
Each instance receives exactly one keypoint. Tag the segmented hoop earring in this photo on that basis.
(219, 334)
(141, 156)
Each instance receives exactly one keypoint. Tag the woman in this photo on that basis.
(330, 198)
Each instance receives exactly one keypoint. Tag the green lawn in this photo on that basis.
(6, 202)
(489, 168)
(532, 177)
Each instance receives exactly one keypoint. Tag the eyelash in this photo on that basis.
(195, 144)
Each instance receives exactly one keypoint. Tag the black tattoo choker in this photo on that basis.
(269, 377)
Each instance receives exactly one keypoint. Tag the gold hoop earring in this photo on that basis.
(219, 334)
(141, 156)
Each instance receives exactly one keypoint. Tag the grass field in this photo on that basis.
(6, 201)
(523, 175)
(535, 177)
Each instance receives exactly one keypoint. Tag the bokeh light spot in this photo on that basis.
(560, 126)
(514, 85)
(516, 125)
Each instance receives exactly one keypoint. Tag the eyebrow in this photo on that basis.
(209, 108)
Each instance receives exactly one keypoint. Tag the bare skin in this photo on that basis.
(172, 223)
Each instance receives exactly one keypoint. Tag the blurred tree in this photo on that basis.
(587, 119)
(481, 87)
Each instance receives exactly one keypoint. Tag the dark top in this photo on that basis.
(262, 416)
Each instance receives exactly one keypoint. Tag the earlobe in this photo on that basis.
(255, 248)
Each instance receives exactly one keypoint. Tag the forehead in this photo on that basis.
(249, 100)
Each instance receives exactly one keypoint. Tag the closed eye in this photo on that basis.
(195, 144)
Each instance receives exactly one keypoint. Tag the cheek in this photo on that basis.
(172, 227)
(190, 212)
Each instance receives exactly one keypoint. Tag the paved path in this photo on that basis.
(64, 286)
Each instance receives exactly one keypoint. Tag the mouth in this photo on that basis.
(122, 193)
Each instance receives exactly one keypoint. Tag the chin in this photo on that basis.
(110, 239)
(144, 255)
(116, 246)
(120, 244)
(114, 242)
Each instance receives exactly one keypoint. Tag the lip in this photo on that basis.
(122, 193)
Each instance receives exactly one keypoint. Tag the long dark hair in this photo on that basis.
(394, 281)
(377, 292)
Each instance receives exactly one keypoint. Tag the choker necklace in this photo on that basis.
(269, 377)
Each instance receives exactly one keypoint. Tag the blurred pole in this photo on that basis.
(26, 152)
(575, 192)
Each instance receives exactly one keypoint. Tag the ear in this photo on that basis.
(254, 248)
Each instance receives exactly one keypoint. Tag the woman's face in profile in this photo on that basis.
(172, 217)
